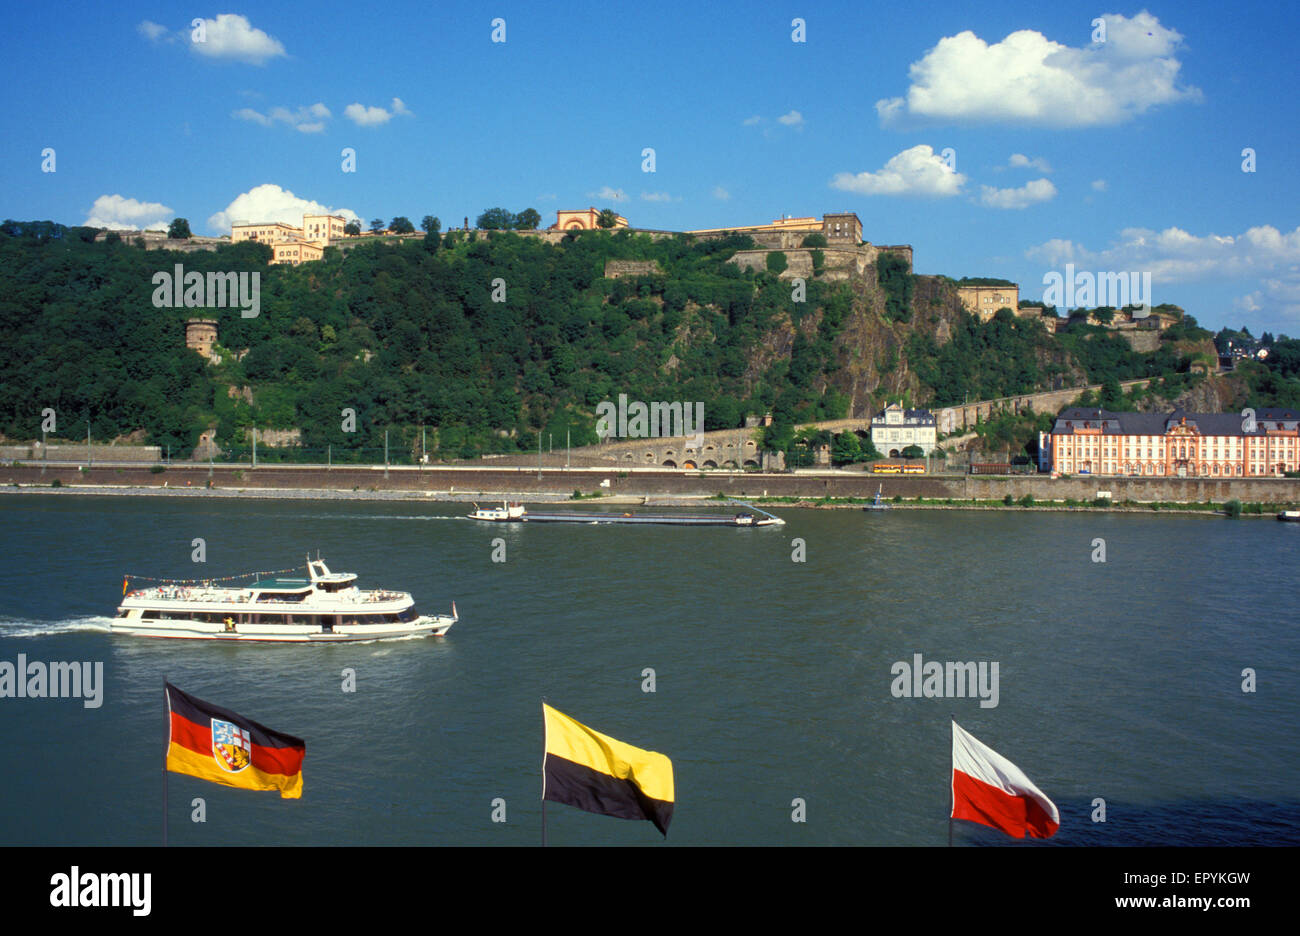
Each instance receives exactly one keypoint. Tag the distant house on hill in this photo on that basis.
(894, 429)
(984, 301)
(585, 219)
(289, 244)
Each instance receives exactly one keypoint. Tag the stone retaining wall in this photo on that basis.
(501, 482)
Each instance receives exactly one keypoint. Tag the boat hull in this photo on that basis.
(435, 626)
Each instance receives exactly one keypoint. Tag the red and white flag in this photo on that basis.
(989, 789)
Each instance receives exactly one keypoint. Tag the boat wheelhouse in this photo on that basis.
(324, 607)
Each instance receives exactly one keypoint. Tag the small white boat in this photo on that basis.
(506, 513)
(1290, 516)
(325, 607)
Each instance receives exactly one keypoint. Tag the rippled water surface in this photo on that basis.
(1119, 680)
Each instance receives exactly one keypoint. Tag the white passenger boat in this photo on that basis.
(324, 607)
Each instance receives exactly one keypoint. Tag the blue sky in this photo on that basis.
(1122, 155)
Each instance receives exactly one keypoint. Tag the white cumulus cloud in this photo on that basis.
(1280, 295)
(364, 116)
(1175, 255)
(1099, 185)
(792, 119)
(269, 202)
(128, 214)
(151, 30)
(1021, 161)
(608, 194)
(309, 119)
(720, 193)
(231, 36)
(656, 197)
(1031, 193)
(1029, 79)
(916, 171)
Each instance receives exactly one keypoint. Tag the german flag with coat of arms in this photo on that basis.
(213, 743)
(594, 772)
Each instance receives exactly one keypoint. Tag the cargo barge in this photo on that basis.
(516, 513)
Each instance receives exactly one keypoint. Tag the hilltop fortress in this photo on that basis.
(832, 248)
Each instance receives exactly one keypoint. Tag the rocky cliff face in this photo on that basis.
(1213, 395)
(873, 349)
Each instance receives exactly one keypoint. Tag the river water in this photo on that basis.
(1118, 681)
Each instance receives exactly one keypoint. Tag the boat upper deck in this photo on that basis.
(281, 584)
(300, 595)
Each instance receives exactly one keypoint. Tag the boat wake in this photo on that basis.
(21, 627)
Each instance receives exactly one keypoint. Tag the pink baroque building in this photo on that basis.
(1172, 445)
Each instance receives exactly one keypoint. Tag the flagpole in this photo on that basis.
(543, 771)
(952, 803)
(167, 716)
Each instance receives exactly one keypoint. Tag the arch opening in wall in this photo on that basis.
(688, 464)
(669, 463)
(710, 464)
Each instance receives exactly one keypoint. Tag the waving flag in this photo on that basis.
(592, 771)
(216, 744)
(989, 789)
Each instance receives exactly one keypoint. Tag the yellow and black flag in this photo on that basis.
(592, 771)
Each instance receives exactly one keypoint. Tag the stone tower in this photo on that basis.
(201, 335)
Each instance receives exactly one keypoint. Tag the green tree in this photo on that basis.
(352, 228)
(1111, 396)
(179, 230)
(401, 225)
(495, 219)
(430, 225)
(607, 218)
(814, 240)
(847, 449)
(377, 226)
(897, 282)
(913, 451)
(777, 262)
(527, 220)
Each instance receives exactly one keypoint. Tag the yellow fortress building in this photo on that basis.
(289, 244)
